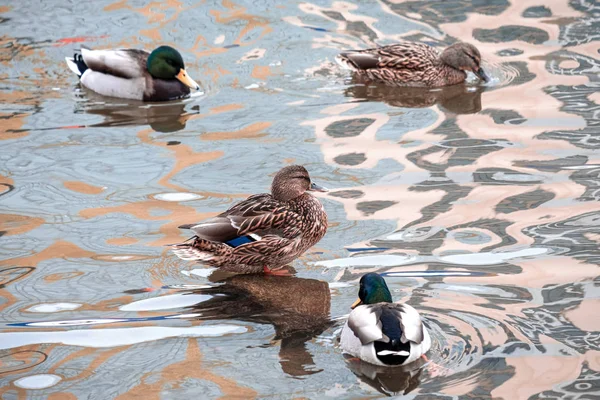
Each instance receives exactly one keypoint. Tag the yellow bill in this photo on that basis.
(184, 78)
(357, 303)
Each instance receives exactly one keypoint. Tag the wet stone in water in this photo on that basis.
(371, 207)
(537, 12)
(348, 128)
(504, 116)
(508, 33)
(509, 52)
(525, 201)
(351, 159)
(348, 194)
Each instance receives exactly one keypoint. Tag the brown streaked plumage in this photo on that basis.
(415, 64)
(265, 231)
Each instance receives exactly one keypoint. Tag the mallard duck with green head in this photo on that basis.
(133, 74)
(415, 64)
(263, 233)
(380, 331)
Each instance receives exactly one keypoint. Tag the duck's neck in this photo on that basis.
(313, 214)
(448, 75)
(306, 203)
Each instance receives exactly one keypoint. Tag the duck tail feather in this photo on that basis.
(72, 66)
(357, 60)
(345, 63)
(76, 64)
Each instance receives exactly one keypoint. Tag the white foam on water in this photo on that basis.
(53, 307)
(167, 302)
(492, 258)
(590, 166)
(502, 176)
(201, 272)
(181, 196)
(414, 235)
(41, 381)
(78, 322)
(427, 273)
(184, 316)
(381, 260)
(100, 338)
(335, 285)
(188, 287)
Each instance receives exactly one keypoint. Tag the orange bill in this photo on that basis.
(184, 78)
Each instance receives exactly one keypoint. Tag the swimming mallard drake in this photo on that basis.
(415, 64)
(381, 332)
(133, 74)
(264, 232)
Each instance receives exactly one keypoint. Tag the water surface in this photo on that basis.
(478, 202)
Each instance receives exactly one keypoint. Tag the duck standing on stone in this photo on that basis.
(133, 74)
(381, 332)
(264, 232)
(415, 64)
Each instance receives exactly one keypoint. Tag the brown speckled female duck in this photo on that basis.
(264, 232)
(415, 64)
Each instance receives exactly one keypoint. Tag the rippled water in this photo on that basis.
(478, 202)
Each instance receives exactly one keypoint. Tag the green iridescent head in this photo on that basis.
(166, 63)
(373, 289)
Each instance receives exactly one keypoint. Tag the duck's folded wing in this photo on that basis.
(124, 63)
(410, 322)
(256, 216)
(412, 56)
(364, 323)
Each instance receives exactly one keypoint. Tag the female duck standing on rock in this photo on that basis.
(415, 64)
(381, 332)
(133, 74)
(264, 232)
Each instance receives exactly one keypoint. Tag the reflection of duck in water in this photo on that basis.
(164, 117)
(390, 381)
(133, 74)
(381, 332)
(297, 308)
(457, 99)
(264, 232)
(415, 64)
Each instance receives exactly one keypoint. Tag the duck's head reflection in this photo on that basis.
(297, 308)
(457, 99)
(389, 381)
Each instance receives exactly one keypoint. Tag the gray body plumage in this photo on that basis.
(365, 327)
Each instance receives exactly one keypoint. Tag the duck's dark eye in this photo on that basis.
(473, 58)
(302, 177)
